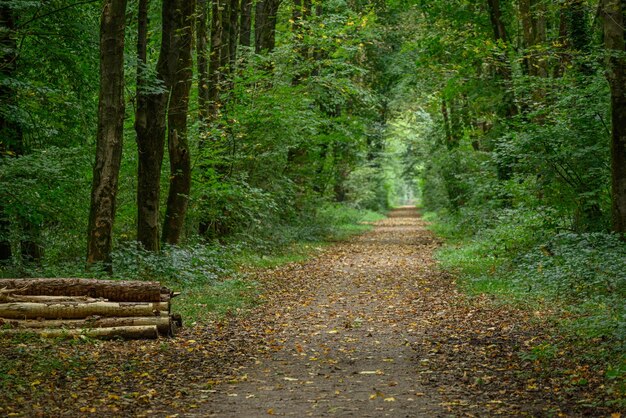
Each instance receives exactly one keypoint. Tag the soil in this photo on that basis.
(373, 328)
(369, 328)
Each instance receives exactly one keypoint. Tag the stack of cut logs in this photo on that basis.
(96, 308)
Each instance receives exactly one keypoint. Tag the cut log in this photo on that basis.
(24, 298)
(129, 332)
(81, 310)
(165, 325)
(113, 290)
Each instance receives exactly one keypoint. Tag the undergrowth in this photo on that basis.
(580, 278)
(213, 294)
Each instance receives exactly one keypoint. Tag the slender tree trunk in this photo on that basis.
(8, 129)
(150, 128)
(246, 23)
(12, 141)
(265, 25)
(110, 132)
(225, 51)
(178, 146)
(503, 71)
(217, 40)
(495, 15)
(613, 14)
(446, 122)
(528, 35)
(235, 10)
(202, 52)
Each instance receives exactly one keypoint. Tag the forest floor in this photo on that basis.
(370, 327)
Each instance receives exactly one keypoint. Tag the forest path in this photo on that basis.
(345, 343)
(369, 329)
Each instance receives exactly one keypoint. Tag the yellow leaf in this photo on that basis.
(390, 399)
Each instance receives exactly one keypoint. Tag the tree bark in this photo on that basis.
(246, 23)
(80, 310)
(233, 34)
(495, 15)
(112, 290)
(163, 324)
(202, 52)
(8, 297)
(265, 25)
(217, 41)
(126, 332)
(446, 122)
(12, 140)
(613, 17)
(178, 21)
(110, 133)
(150, 129)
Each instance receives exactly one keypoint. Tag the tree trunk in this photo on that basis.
(12, 140)
(163, 324)
(126, 332)
(178, 17)
(202, 52)
(80, 310)
(112, 290)
(110, 133)
(265, 25)
(5, 230)
(233, 34)
(495, 15)
(225, 51)
(613, 14)
(246, 23)
(150, 128)
(217, 40)
(446, 122)
(528, 35)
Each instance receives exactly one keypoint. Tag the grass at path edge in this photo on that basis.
(234, 293)
(590, 324)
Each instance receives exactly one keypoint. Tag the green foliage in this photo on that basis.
(180, 266)
(198, 303)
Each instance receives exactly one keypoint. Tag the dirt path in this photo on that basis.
(368, 328)
(346, 348)
(372, 329)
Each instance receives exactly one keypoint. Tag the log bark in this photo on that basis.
(129, 333)
(79, 310)
(113, 290)
(164, 325)
(5, 297)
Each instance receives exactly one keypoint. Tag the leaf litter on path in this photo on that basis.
(368, 328)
